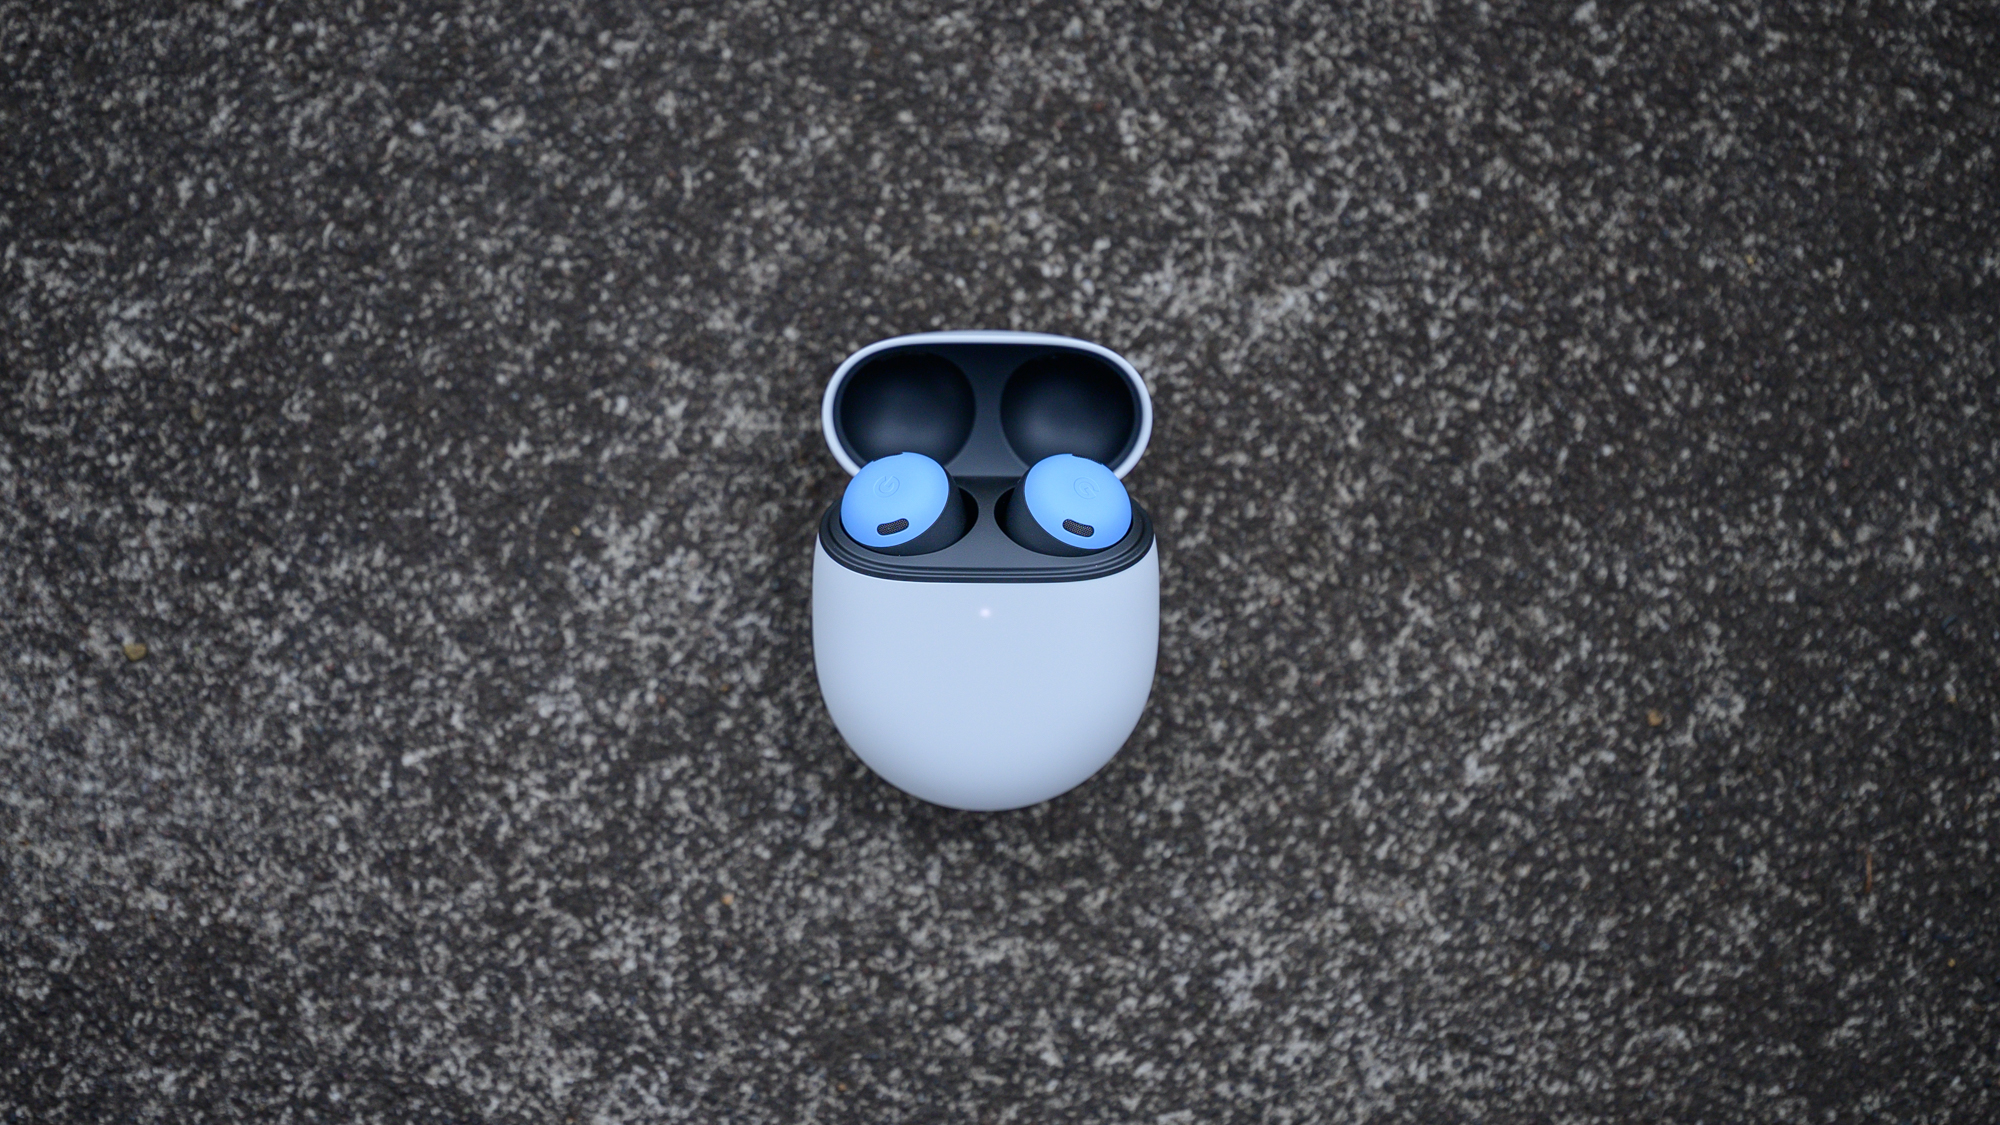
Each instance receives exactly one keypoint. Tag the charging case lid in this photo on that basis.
(987, 403)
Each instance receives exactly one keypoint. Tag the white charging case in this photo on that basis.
(986, 675)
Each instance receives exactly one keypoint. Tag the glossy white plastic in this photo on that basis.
(987, 695)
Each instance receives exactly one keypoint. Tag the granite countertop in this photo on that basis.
(1576, 471)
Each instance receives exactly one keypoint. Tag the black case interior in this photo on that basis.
(986, 412)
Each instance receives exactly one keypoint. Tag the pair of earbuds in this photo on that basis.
(1063, 505)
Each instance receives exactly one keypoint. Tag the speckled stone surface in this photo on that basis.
(1577, 471)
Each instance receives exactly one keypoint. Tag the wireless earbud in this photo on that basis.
(903, 505)
(1068, 505)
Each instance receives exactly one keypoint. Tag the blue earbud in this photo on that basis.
(903, 505)
(1068, 505)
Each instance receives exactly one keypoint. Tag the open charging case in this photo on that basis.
(986, 675)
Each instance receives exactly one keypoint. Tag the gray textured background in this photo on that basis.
(1576, 474)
